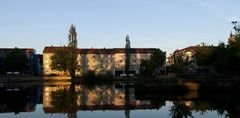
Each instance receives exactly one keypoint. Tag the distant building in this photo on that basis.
(101, 61)
(186, 53)
(231, 39)
(31, 59)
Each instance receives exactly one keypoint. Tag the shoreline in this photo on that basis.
(160, 79)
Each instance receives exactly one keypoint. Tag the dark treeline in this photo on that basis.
(224, 58)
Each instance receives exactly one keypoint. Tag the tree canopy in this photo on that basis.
(148, 67)
(202, 55)
(223, 58)
(59, 60)
(180, 64)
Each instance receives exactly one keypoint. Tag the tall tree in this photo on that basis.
(72, 52)
(127, 55)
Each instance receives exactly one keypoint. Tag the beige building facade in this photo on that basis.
(186, 53)
(101, 61)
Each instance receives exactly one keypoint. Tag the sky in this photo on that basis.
(164, 24)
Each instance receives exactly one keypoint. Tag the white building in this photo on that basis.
(101, 61)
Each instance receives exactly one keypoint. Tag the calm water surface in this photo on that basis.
(117, 100)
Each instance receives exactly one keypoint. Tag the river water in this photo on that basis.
(113, 100)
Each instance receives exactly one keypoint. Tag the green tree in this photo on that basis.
(180, 63)
(16, 60)
(231, 59)
(148, 67)
(59, 60)
(127, 55)
(202, 55)
(223, 58)
(158, 58)
(72, 51)
(218, 57)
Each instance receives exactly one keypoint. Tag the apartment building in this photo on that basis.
(31, 60)
(101, 61)
(186, 53)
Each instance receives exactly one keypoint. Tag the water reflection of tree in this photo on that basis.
(180, 110)
(65, 100)
(227, 105)
(158, 103)
(127, 101)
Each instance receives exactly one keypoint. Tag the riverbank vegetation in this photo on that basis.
(223, 59)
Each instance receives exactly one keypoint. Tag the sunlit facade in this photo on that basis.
(101, 61)
(186, 53)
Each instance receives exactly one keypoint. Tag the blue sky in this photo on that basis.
(164, 24)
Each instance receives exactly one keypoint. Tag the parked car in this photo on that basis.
(16, 73)
(123, 75)
(9, 73)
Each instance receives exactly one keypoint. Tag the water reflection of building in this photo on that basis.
(99, 98)
(19, 99)
(101, 61)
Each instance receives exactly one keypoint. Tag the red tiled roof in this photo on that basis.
(187, 49)
(8, 50)
(51, 49)
(17, 48)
